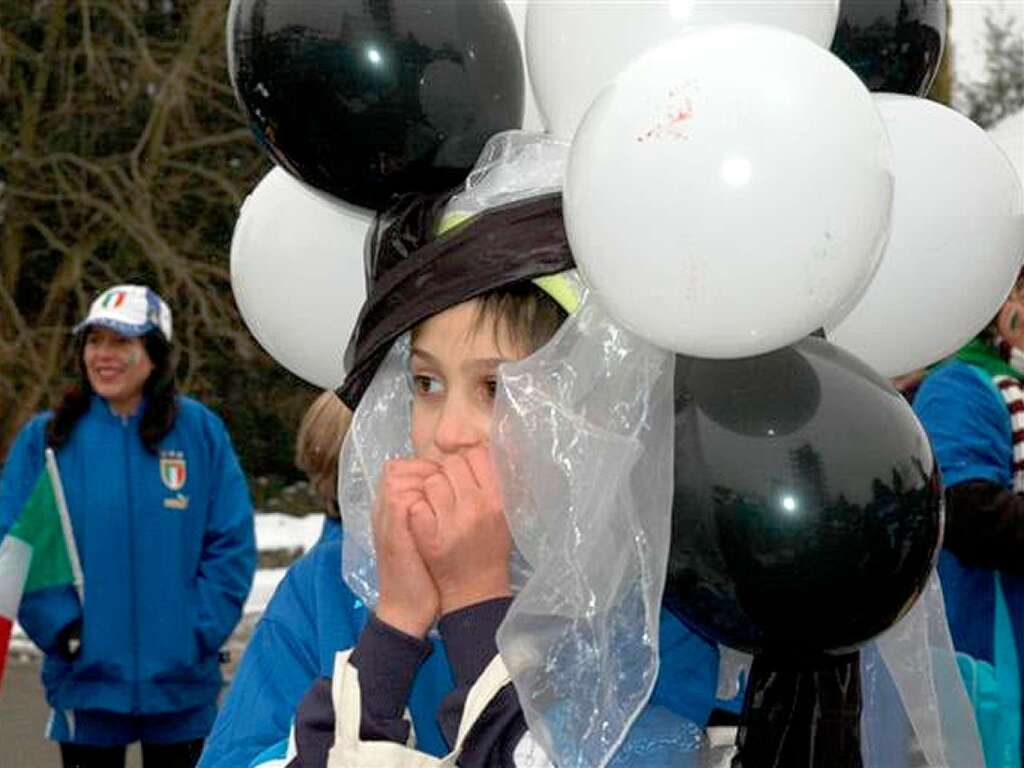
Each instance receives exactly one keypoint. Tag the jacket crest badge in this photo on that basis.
(173, 470)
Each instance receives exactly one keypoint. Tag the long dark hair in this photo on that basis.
(161, 393)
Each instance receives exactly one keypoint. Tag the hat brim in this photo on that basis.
(123, 329)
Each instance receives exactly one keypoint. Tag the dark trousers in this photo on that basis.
(182, 754)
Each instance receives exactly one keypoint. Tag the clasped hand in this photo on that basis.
(441, 538)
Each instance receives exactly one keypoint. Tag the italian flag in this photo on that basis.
(37, 552)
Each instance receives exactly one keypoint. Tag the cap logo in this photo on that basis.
(112, 299)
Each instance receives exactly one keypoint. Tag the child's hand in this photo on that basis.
(462, 535)
(408, 598)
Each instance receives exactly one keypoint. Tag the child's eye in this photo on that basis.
(425, 385)
(491, 388)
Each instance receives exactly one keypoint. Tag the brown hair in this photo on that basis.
(519, 313)
(318, 446)
(528, 315)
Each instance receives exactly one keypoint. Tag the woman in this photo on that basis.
(163, 524)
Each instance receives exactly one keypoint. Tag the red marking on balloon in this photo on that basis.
(672, 126)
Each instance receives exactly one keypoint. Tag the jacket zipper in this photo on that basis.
(131, 565)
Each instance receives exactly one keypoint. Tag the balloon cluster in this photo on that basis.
(736, 182)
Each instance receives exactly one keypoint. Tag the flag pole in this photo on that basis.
(65, 523)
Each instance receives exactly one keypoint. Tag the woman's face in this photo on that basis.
(117, 367)
(454, 369)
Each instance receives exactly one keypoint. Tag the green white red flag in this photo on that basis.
(38, 551)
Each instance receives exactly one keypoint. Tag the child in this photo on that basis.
(441, 542)
(314, 614)
(578, 439)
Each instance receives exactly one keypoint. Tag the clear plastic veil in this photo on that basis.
(582, 437)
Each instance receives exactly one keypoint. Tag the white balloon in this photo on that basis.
(1008, 134)
(532, 120)
(297, 275)
(574, 47)
(730, 191)
(955, 247)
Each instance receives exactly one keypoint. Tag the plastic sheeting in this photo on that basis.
(582, 438)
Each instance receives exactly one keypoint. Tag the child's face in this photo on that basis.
(454, 367)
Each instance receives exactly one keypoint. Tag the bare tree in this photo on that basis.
(124, 158)
(1001, 92)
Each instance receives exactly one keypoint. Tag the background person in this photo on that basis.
(317, 447)
(163, 524)
(972, 408)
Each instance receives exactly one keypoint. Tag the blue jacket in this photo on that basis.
(168, 554)
(968, 424)
(313, 615)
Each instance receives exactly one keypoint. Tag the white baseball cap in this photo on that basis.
(130, 310)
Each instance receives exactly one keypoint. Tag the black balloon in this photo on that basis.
(364, 99)
(808, 506)
(893, 45)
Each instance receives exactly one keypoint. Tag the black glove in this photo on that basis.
(985, 526)
(69, 641)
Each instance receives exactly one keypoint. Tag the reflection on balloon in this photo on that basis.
(892, 45)
(709, 191)
(368, 99)
(297, 275)
(807, 506)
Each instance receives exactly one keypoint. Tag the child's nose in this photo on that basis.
(456, 430)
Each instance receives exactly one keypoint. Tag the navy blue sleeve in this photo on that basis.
(387, 660)
(228, 560)
(314, 727)
(469, 639)
(967, 423)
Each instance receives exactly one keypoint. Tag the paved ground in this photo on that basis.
(23, 714)
(23, 711)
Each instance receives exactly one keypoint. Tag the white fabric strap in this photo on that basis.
(350, 752)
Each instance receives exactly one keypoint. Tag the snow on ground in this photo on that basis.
(263, 587)
(273, 531)
(277, 531)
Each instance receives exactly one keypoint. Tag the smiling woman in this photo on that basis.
(117, 367)
(162, 521)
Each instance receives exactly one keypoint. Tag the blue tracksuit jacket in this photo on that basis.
(168, 555)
